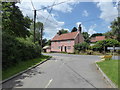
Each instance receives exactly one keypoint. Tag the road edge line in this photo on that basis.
(20, 73)
(105, 76)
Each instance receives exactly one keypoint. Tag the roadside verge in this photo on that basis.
(20, 73)
(105, 76)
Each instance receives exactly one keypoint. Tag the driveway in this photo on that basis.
(62, 71)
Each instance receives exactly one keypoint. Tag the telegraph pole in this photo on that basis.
(34, 25)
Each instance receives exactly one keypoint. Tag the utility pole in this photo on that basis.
(41, 38)
(34, 25)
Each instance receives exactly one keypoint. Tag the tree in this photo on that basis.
(44, 42)
(102, 45)
(38, 31)
(109, 35)
(13, 21)
(115, 30)
(49, 42)
(115, 26)
(96, 34)
(86, 37)
(62, 31)
(74, 29)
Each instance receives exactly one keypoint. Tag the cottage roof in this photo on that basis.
(97, 38)
(66, 36)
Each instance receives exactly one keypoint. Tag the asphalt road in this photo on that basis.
(62, 71)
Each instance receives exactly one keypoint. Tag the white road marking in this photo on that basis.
(55, 60)
(49, 83)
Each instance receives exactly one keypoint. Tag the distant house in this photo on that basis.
(97, 38)
(47, 49)
(66, 42)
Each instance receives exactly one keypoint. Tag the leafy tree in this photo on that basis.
(115, 30)
(86, 37)
(62, 31)
(96, 34)
(81, 46)
(13, 21)
(102, 45)
(38, 31)
(44, 42)
(74, 29)
(49, 42)
(115, 25)
(109, 35)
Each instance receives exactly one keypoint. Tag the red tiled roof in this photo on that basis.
(97, 38)
(66, 36)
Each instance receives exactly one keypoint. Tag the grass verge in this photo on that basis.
(110, 68)
(21, 66)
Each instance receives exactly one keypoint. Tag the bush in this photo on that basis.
(81, 47)
(15, 50)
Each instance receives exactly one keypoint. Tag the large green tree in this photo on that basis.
(38, 32)
(74, 29)
(96, 34)
(62, 31)
(86, 37)
(102, 45)
(115, 26)
(114, 33)
(13, 21)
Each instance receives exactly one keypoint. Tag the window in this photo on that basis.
(69, 47)
(59, 47)
(69, 41)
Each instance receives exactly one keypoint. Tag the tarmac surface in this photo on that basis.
(62, 71)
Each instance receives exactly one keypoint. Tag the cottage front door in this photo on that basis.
(65, 49)
(61, 48)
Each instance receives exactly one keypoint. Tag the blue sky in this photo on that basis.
(95, 17)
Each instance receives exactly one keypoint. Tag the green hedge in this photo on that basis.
(15, 50)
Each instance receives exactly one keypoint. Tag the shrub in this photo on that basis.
(81, 46)
(15, 50)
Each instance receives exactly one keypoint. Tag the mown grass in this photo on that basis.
(110, 68)
(23, 65)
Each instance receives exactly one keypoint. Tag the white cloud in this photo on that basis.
(85, 13)
(108, 10)
(90, 30)
(109, 27)
(83, 27)
(51, 25)
(78, 23)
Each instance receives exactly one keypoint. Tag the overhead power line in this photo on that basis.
(32, 5)
(49, 12)
(53, 5)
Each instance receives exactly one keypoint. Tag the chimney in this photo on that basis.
(80, 28)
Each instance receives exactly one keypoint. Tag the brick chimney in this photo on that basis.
(80, 28)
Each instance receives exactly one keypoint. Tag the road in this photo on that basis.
(62, 71)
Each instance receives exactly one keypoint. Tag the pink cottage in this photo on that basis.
(66, 42)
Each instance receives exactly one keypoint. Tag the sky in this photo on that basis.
(94, 15)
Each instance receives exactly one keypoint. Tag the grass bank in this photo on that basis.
(21, 66)
(110, 68)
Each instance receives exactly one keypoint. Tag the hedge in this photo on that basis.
(15, 50)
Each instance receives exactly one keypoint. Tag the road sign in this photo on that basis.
(113, 48)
